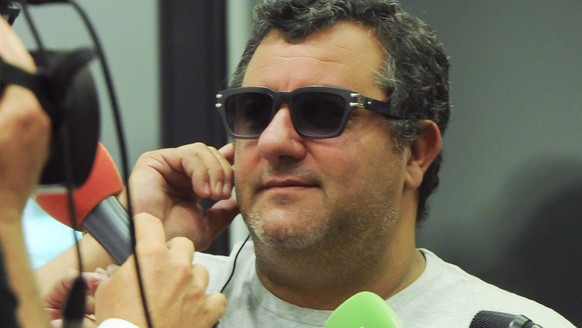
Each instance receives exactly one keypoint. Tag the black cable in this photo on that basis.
(232, 271)
(69, 184)
(43, 61)
(234, 264)
(122, 146)
(75, 305)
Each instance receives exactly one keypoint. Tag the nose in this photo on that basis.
(280, 140)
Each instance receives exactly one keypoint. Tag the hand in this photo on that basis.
(24, 128)
(170, 183)
(175, 289)
(54, 301)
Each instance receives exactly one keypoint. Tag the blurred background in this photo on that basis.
(509, 207)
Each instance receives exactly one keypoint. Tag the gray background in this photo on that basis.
(515, 133)
(509, 207)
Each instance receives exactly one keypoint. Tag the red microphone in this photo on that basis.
(97, 209)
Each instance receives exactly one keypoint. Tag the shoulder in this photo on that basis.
(456, 290)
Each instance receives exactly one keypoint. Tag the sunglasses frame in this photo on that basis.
(353, 100)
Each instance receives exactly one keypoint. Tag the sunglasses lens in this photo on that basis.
(248, 114)
(318, 114)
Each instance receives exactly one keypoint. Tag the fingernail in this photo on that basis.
(111, 268)
(219, 186)
(227, 188)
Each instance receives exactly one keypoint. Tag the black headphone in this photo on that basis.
(65, 88)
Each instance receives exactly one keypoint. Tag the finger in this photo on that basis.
(90, 305)
(208, 170)
(216, 303)
(200, 276)
(217, 300)
(221, 215)
(182, 249)
(217, 173)
(229, 174)
(89, 321)
(228, 152)
(93, 279)
(112, 268)
(158, 177)
(58, 293)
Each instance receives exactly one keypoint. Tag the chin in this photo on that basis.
(284, 229)
(290, 241)
(293, 237)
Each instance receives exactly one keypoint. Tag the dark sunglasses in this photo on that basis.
(316, 112)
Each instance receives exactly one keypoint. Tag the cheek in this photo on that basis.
(343, 170)
(242, 156)
(371, 168)
(343, 174)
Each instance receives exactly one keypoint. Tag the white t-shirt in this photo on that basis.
(443, 296)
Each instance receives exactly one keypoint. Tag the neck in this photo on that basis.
(325, 280)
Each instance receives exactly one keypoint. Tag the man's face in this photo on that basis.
(294, 191)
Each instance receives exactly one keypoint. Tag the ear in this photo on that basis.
(423, 151)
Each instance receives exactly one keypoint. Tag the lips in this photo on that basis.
(276, 183)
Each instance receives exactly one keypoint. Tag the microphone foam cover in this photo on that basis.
(492, 319)
(363, 310)
(103, 181)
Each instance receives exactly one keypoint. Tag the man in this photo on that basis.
(24, 146)
(337, 130)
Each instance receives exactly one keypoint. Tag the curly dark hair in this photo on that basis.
(415, 71)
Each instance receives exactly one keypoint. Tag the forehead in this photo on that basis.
(346, 55)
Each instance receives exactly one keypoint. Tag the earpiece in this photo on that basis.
(73, 105)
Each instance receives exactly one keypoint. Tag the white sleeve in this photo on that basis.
(116, 323)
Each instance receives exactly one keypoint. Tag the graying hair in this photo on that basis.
(415, 69)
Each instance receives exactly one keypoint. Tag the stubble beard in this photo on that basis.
(325, 234)
(336, 253)
(291, 238)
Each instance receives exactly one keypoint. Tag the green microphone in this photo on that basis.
(363, 310)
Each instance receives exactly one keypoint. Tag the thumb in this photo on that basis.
(221, 215)
(228, 152)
